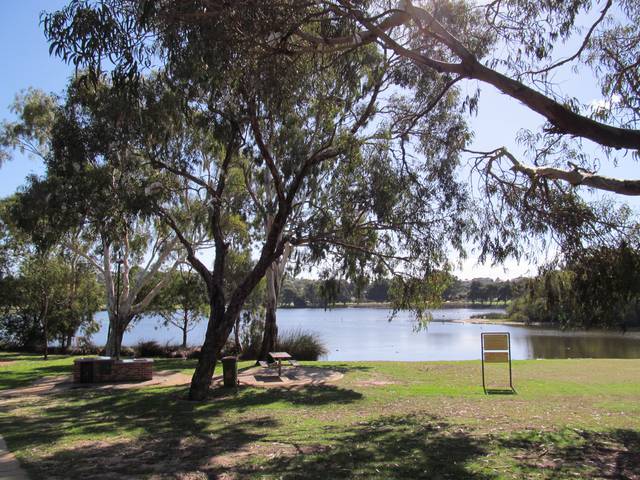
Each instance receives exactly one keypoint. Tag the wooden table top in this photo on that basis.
(279, 355)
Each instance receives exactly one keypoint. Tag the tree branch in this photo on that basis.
(266, 153)
(563, 119)
(575, 177)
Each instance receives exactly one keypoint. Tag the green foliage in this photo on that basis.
(301, 345)
(313, 134)
(32, 132)
(491, 316)
(419, 294)
(378, 291)
(299, 292)
(150, 348)
(52, 293)
(42, 290)
(483, 290)
(598, 288)
(183, 302)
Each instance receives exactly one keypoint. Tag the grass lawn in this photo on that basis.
(396, 420)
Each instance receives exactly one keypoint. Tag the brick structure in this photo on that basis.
(107, 369)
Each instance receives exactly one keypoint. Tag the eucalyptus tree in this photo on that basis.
(338, 175)
(183, 301)
(519, 48)
(93, 194)
(48, 293)
(516, 47)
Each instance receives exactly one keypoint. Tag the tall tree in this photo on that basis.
(182, 303)
(48, 293)
(348, 188)
(92, 186)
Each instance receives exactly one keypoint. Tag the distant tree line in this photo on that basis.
(484, 290)
(301, 292)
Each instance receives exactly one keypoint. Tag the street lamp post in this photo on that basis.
(117, 332)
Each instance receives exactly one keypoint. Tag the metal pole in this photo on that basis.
(482, 358)
(510, 375)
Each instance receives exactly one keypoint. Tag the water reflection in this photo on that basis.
(367, 334)
(582, 346)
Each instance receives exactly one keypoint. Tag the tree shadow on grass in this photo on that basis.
(311, 395)
(576, 453)
(346, 368)
(11, 379)
(391, 447)
(181, 455)
(155, 422)
(130, 433)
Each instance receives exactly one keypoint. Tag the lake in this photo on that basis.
(367, 334)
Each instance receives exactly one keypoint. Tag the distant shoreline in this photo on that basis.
(387, 305)
(631, 332)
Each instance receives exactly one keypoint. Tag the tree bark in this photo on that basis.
(236, 331)
(274, 276)
(116, 333)
(45, 328)
(222, 320)
(218, 330)
(224, 314)
(575, 177)
(185, 327)
(270, 335)
(46, 339)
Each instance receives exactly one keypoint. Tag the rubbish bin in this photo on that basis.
(230, 371)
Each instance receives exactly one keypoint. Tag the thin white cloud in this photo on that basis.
(604, 104)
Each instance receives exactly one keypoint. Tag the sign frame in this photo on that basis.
(497, 351)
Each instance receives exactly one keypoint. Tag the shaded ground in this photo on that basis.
(570, 419)
(254, 377)
(291, 376)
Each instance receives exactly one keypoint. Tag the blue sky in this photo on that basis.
(26, 63)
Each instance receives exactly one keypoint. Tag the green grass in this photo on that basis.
(569, 419)
(20, 369)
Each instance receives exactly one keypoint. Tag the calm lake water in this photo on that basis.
(367, 334)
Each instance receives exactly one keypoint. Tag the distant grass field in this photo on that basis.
(396, 420)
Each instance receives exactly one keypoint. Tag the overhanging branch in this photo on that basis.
(575, 177)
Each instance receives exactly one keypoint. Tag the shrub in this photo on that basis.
(194, 353)
(251, 342)
(127, 352)
(151, 348)
(229, 349)
(302, 345)
(84, 346)
(519, 317)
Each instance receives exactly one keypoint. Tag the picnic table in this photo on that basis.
(278, 357)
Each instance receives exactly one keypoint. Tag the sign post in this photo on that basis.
(496, 348)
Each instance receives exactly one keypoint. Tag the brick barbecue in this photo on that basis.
(107, 369)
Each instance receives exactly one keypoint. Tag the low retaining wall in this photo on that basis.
(107, 369)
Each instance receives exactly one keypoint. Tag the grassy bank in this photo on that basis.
(569, 419)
